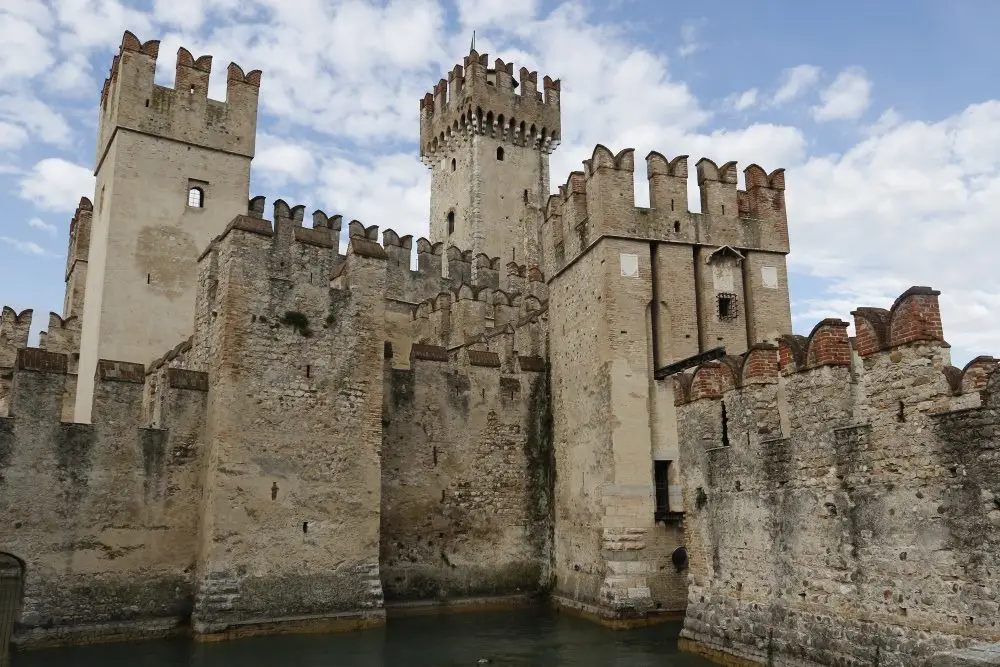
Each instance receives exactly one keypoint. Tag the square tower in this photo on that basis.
(487, 139)
(172, 169)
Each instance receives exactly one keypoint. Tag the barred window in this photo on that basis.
(727, 306)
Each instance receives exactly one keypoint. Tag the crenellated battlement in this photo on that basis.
(79, 234)
(468, 313)
(913, 323)
(476, 99)
(848, 482)
(600, 200)
(63, 336)
(131, 100)
(14, 330)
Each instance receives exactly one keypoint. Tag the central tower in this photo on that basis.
(487, 139)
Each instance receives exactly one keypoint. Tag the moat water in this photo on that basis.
(535, 638)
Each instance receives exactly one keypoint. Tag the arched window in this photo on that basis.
(453, 164)
(451, 222)
(500, 153)
(196, 197)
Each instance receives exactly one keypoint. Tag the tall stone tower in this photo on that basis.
(172, 168)
(487, 139)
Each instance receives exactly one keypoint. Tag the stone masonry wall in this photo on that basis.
(843, 500)
(290, 526)
(103, 514)
(466, 475)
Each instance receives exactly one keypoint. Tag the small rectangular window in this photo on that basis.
(726, 306)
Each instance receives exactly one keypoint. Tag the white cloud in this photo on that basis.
(73, 75)
(186, 14)
(12, 136)
(889, 120)
(846, 98)
(35, 116)
(280, 161)
(391, 191)
(745, 100)
(795, 82)
(39, 224)
(26, 247)
(97, 23)
(54, 184)
(476, 13)
(690, 38)
(24, 52)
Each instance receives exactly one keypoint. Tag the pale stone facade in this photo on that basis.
(332, 434)
(155, 146)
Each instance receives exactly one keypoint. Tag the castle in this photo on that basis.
(237, 426)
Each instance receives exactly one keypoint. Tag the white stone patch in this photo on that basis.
(769, 276)
(630, 265)
(639, 592)
(722, 278)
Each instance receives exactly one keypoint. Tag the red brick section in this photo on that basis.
(915, 316)
(792, 353)
(484, 358)
(36, 359)
(682, 388)
(428, 352)
(977, 372)
(712, 380)
(179, 378)
(760, 365)
(871, 328)
(121, 371)
(828, 344)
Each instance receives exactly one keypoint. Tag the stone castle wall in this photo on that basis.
(290, 516)
(110, 544)
(466, 474)
(843, 500)
(259, 448)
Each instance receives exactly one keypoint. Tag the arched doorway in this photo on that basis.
(11, 593)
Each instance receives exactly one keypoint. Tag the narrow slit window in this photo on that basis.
(500, 153)
(660, 470)
(453, 164)
(725, 426)
(196, 197)
(451, 222)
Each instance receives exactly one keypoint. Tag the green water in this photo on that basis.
(507, 639)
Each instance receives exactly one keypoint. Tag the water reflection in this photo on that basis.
(506, 639)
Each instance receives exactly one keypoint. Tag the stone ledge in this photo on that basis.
(978, 656)
(99, 633)
(611, 619)
(461, 605)
(289, 625)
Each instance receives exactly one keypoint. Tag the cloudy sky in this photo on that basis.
(881, 113)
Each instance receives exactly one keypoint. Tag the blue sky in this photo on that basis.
(883, 114)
